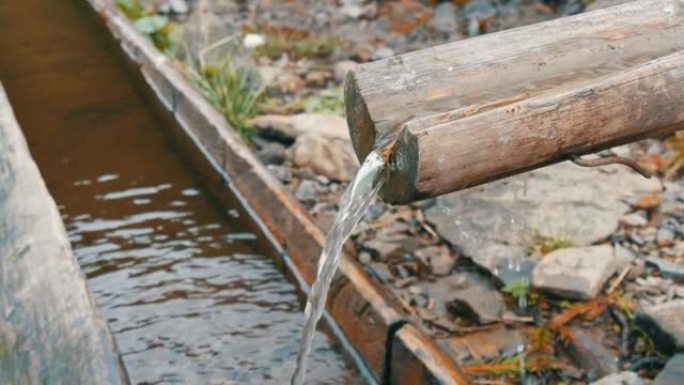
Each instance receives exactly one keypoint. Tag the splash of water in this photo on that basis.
(355, 201)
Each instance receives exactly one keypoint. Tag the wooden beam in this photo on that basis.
(484, 108)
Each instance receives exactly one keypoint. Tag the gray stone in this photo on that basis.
(293, 126)
(633, 220)
(486, 345)
(665, 237)
(491, 223)
(326, 125)
(356, 8)
(274, 126)
(306, 191)
(269, 74)
(382, 250)
(468, 295)
(381, 53)
(438, 258)
(622, 378)
(578, 272)
(179, 7)
(476, 12)
(679, 291)
(665, 324)
(318, 78)
(588, 353)
(333, 158)
(365, 258)
(283, 174)
(381, 271)
(272, 153)
(667, 269)
(289, 82)
(672, 373)
(340, 69)
(444, 18)
(623, 258)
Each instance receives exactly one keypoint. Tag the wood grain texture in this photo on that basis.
(545, 68)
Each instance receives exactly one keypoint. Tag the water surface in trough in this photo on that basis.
(186, 287)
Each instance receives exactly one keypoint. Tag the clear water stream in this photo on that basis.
(353, 205)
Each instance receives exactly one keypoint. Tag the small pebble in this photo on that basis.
(365, 257)
(633, 220)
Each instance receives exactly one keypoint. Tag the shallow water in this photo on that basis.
(188, 289)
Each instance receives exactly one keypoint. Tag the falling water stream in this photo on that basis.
(353, 205)
(187, 284)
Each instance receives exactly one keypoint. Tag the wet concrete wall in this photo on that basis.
(50, 330)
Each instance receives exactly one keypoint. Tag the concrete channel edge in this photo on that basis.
(394, 351)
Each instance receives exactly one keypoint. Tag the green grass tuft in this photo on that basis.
(235, 91)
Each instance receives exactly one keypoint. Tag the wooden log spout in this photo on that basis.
(473, 111)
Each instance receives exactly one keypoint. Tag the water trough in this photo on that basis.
(364, 312)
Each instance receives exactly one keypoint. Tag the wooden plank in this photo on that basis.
(435, 367)
(468, 78)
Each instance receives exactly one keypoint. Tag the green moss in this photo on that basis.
(546, 243)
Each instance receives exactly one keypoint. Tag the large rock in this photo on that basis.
(492, 223)
(665, 324)
(333, 158)
(672, 373)
(622, 378)
(293, 126)
(577, 272)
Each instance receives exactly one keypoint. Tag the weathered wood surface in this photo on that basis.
(50, 329)
(484, 108)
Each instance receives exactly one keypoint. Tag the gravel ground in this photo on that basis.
(575, 274)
